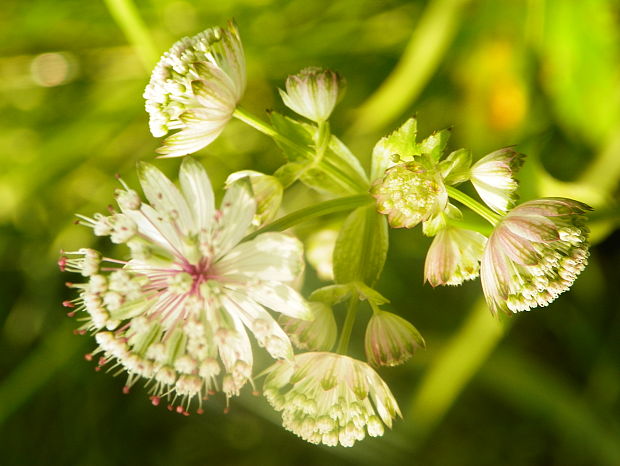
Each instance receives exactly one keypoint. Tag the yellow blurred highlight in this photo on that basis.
(53, 69)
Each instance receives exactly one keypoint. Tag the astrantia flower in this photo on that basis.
(410, 193)
(534, 254)
(313, 92)
(330, 398)
(391, 340)
(195, 88)
(493, 176)
(454, 256)
(177, 312)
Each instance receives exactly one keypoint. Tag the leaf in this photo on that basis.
(338, 172)
(331, 294)
(435, 144)
(400, 142)
(361, 247)
(455, 167)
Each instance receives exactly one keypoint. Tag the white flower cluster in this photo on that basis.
(179, 311)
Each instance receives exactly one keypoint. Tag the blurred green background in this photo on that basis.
(542, 388)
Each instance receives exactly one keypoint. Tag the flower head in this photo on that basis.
(195, 88)
(493, 176)
(330, 398)
(390, 339)
(313, 92)
(454, 256)
(410, 193)
(534, 254)
(178, 311)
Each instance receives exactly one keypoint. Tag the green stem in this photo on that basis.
(324, 208)
(126, 15)
(323, 136)
(252, 120)
(347, 327)
(474, 205)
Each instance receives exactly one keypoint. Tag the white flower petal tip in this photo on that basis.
(493, 176)
(331, 399)
(454, 256)
(534, 254)
(410, 193)
(178, 312)
(195, 88)
(391, 340)
(313, 92)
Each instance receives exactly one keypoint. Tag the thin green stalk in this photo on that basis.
(126, 15)
(342, 204)
(323, 136)
(252, 120)
(474, 205)
(347, 327)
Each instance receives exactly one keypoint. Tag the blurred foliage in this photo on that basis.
(539, 388)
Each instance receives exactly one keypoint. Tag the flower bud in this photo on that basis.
(454, 256)
(390, 339)
(410, 193)
(493, 176)
(313, 93)
(267, 192)
(315, 335)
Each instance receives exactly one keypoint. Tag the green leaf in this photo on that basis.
(338, 171)
(370, 294)
(455, 167)
(400, 142)
(361, 247)
(332, 294)
(435, 144)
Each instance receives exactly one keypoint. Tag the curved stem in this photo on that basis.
(474, 205)
(324, 208)
(347, 327)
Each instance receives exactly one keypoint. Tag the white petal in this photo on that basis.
(237, 211)
(270, 256)
(192, 139)
(197, 190)
(164, 196)
(155, 229)
(250, 312)
(281, 298)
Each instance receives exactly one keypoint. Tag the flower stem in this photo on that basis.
(474, 205)
(347, 327)
(324, 208)
(252, 120)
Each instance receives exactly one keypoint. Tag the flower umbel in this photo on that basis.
(534, 254)
(330, 398)
(313, 92)
(410, 193)
(177, 313)
(454, 256)
(195, 88)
